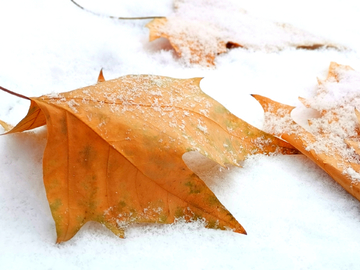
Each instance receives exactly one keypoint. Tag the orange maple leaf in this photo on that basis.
(114, 152)
(332, 140)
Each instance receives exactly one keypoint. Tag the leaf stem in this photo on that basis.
(120, 18)
(13, 93)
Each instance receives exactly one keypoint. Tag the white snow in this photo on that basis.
(295, 215)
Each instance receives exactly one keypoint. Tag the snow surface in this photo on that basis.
(296, 216)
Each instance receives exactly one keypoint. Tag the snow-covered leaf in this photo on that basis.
(199, 30)
(332, 140)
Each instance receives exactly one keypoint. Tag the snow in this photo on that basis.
(295, 215)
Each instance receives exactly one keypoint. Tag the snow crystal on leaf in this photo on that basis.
(355, 176)
(337, 99)
(53, 95)
(277, 125)
(72, 104)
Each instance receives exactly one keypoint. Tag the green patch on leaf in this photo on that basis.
(212, 224)
(179, 213)
(163, 218)
(194, 189)
(55, 205)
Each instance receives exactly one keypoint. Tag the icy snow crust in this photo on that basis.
(295, 215)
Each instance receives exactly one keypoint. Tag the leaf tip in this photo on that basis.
(101, 76)
(264, 102)
(241, 230)
(332, 73)
(155, 27)
(7, 127)
(304, 102)
(272, 106)
(197, 80)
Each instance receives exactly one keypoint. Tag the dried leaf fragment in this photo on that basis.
(332, 140)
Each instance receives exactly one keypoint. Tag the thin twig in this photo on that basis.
(119, 18)
(13, 93)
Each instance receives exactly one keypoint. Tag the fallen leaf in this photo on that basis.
(332, 140)
(114, 152)
(199, 30)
